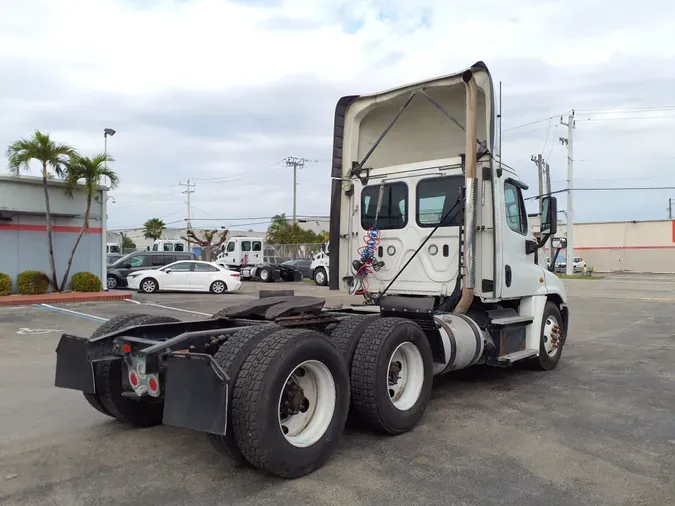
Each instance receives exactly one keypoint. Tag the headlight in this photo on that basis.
(135, 275)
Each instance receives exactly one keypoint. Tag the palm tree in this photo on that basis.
(91, 170)
(154, 228)
(53, 158)
(127, 242)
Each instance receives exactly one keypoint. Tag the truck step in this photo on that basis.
(518, 355)
(512, 320)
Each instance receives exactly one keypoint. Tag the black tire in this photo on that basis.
(230, 356)
(140, 413)
(112, 282)
(347, 334)
(255, 406)
(214, 287)
(320, 277)
(544, 361)
(148, 285)
(266, 274)
(370, 366)
(112, 325)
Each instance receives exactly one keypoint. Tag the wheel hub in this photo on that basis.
(394, 370)
(307, 403)
(293, 400)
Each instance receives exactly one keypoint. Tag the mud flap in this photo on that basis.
(195, 393)
(73, 368)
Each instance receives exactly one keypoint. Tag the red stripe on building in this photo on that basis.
(43, 228)
(592, 248)
(673, 230)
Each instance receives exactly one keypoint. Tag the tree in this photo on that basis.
(53, 158)
(154, 228)
(91, 170)
(209, 240)
(127, 243)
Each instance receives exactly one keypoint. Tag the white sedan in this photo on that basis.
(186, 275)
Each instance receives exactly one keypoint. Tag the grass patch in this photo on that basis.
(579, 276)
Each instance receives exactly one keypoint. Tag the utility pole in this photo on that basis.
(292, 161)
(670, 209)
(190, 189)
(547, 169)
(569, 142)
(540, 174)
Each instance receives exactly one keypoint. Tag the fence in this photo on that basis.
(293, 251)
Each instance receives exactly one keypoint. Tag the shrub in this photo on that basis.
(85, 282)
(32, 283)
(5, 284)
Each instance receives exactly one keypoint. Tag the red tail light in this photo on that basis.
(235, 275)
(133, 379)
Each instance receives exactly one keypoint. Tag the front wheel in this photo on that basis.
(148, 285)
(552, 339)
(111, 282)
(320, 277)
(290, 403)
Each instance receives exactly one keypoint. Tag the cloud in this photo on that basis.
(220, 91)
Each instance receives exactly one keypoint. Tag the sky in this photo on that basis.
(220, 92)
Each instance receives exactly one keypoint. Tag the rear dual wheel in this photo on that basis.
(391, 370)
(289, 402)
(109, 399)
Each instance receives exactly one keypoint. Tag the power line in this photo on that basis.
(531, 123)
(626, 109)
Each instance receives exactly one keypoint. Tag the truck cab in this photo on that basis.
(240, 252)
(320, 265)
(422, 207)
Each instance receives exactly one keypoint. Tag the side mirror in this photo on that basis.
(323, 247)
(549, 216)
(167, 271)
(126, 266)
(559, 243)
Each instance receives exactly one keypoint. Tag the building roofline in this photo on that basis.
(35, 180)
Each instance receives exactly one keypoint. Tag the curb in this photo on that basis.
(62, 298)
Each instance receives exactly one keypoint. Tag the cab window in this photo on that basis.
(515, 208)
(257, 246)
(179, 247)
(393, 211)
(246, 245)
(230, 246)
(436, 198)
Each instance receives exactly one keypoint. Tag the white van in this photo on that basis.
(169, 245)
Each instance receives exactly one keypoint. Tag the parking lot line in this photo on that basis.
(132, 300)
(71, 312)
(175, 309)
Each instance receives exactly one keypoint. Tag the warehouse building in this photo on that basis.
(625, 246)
(23, 228)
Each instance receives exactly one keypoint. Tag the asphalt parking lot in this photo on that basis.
(599, 429)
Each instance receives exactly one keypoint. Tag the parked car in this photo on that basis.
(304, 266)
(189, 276)
(577, 266)
(138, 261)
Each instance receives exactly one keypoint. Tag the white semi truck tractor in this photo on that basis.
(427, 226)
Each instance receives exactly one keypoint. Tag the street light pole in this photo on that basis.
(106, 132)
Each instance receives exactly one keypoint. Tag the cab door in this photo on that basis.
(521, 276)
